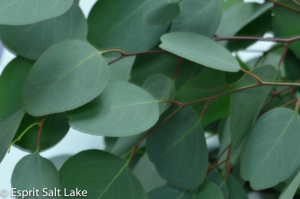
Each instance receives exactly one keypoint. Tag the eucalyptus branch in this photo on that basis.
(286, 47)
(284, 5)
(178, 68)
(41, 123)
(244, 38)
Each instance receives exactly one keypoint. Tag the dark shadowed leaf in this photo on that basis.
(102, 174)
(123, 109)
(9, 127)
(245, 105)
(178, 149)
(124, 18)
(67, 75)
(201, 17)
(168, 192)
(54, 129)
(162, 15)
(11, 85)
(31, 40)
(21, 12)
(268, 156)
(199, 49)
(236, 191)
(36, 172)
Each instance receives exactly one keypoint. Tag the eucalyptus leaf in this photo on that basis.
(11, 85)
(67, 75)
(131, 109)
(34, 172)
(124, 18)
(162, 15)
(22, 12)
(168, 192)
(32, 40)
(199, 49)
(162, 88)
(146, 173)
(9, 127)
(245, 105)
(196, 16)
(111, 177)
(208, 190)
(268, 156)
(54, 129)
(290, 189)
(236, 191)
(121, 69)
(178, 149)
(124, 145)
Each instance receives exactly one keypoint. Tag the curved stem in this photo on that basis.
(39, 133)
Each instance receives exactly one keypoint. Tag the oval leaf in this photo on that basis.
(178, 149)
(196, 16)
(21, 12)
(162, 15)
(67, 75)
(199, 49)
(269, 154)
(124, 17)
(236, 191)
(102, 174)
(11, 84)
(123, 109)
(168, 192)
(243, 112)
(38, 173)
(31, 40)
(54, 129)
(290, 189)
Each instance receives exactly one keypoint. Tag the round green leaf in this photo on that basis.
(123, 109)
(162, 88)
(163, 14)
(199, 49)
(126, 29)
(31, 40)
(178, 149)
(67, 75)
(11, 85)
(102, 174)
(9, 127)
(168, 192)
(196, 16)
(34, 172)
(21, 12)
(208, 190)
(268, 156)
(54, 129)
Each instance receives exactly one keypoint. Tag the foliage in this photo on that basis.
(153, 76)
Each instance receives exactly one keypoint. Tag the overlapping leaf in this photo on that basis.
(124, 19)
(269, 154)
(102, 174)
(178, 149)
(67, 75)
(21, 12)
(34, 172)
(208, 190)
(199, 49)
(201, 17)
(31, 40)
(123, 109)
(168, 192)
(245, 105)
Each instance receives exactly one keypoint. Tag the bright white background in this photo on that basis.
(74, 141)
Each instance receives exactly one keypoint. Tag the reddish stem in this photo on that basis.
(283, 54)
(284, 5)
(205, 108)
(244, 38)
(178, 68)
(39, 133)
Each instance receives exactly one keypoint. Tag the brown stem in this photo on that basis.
(39, 133)
(205, 108)
(283, 54)
(244, 38)
(259, 81)
(178, 68)
(284, 5)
